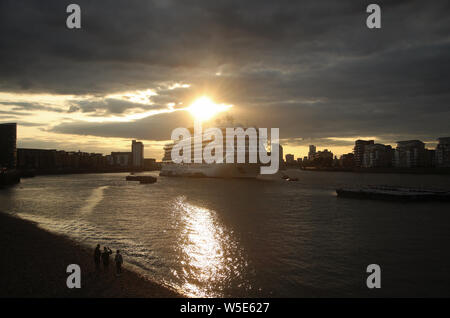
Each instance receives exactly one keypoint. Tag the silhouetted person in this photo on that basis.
(97, 256)
(105, 256)
(118, 259)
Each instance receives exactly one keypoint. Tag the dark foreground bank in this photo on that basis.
(34, 262)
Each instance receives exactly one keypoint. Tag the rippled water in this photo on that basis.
(214, 237)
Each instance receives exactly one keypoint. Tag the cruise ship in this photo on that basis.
(212, 170)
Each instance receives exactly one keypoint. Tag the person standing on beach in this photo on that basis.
(118, 259)
(105, 257)
(97, 255)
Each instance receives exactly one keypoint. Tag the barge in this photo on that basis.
(394, 193)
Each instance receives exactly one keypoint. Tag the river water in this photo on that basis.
(272, 238)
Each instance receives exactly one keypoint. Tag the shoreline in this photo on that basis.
(414, 171)
(34, 262)
(14, 177)
(47, 172)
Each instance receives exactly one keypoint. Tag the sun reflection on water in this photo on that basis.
(203, 246)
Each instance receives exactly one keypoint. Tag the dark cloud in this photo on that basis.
(157, 127)
(6, 119)
(21, 122)
(108, 106)
(314, 141)
(29, 124)
(311, 68)
(12, 113)
(24, 106)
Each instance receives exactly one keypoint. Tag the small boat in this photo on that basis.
(394, 193)
(141, 179)
(147, 180)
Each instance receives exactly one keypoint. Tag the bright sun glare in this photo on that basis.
(204, 108)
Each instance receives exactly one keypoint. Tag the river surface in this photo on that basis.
(271, 238)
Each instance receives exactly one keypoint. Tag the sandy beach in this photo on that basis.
(34, 262)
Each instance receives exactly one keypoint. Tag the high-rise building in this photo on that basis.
(347, 160)
(312, 152)
(359, 149)
(325, 154)
(323, 158)
(409, 154)
(442, 154)
(280, 154)
(290, 158)
(137, 150)
(430, 158)
(281, 162)
(377, 156)
(8, 145)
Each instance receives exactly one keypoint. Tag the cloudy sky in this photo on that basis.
(311, 68)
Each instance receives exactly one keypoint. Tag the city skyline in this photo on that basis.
(295, 155)
(365, 153)
(99, 87)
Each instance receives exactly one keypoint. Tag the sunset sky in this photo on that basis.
(311, 68)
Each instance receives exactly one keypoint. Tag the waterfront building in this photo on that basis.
(109, 160)
(8, 145)
(312, 152)
(323, 158)
(359, 149)
(347, 160)
(50, 159)
(122, 159)
(409, 154)
(290, 159)
(280, 154)
(335, 161)
(430, 158)
(150, 164)
(442, 155)
(137, 150)
(28, 158)
(325, 154)
(377, 156)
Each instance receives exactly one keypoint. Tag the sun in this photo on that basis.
(204, 108)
